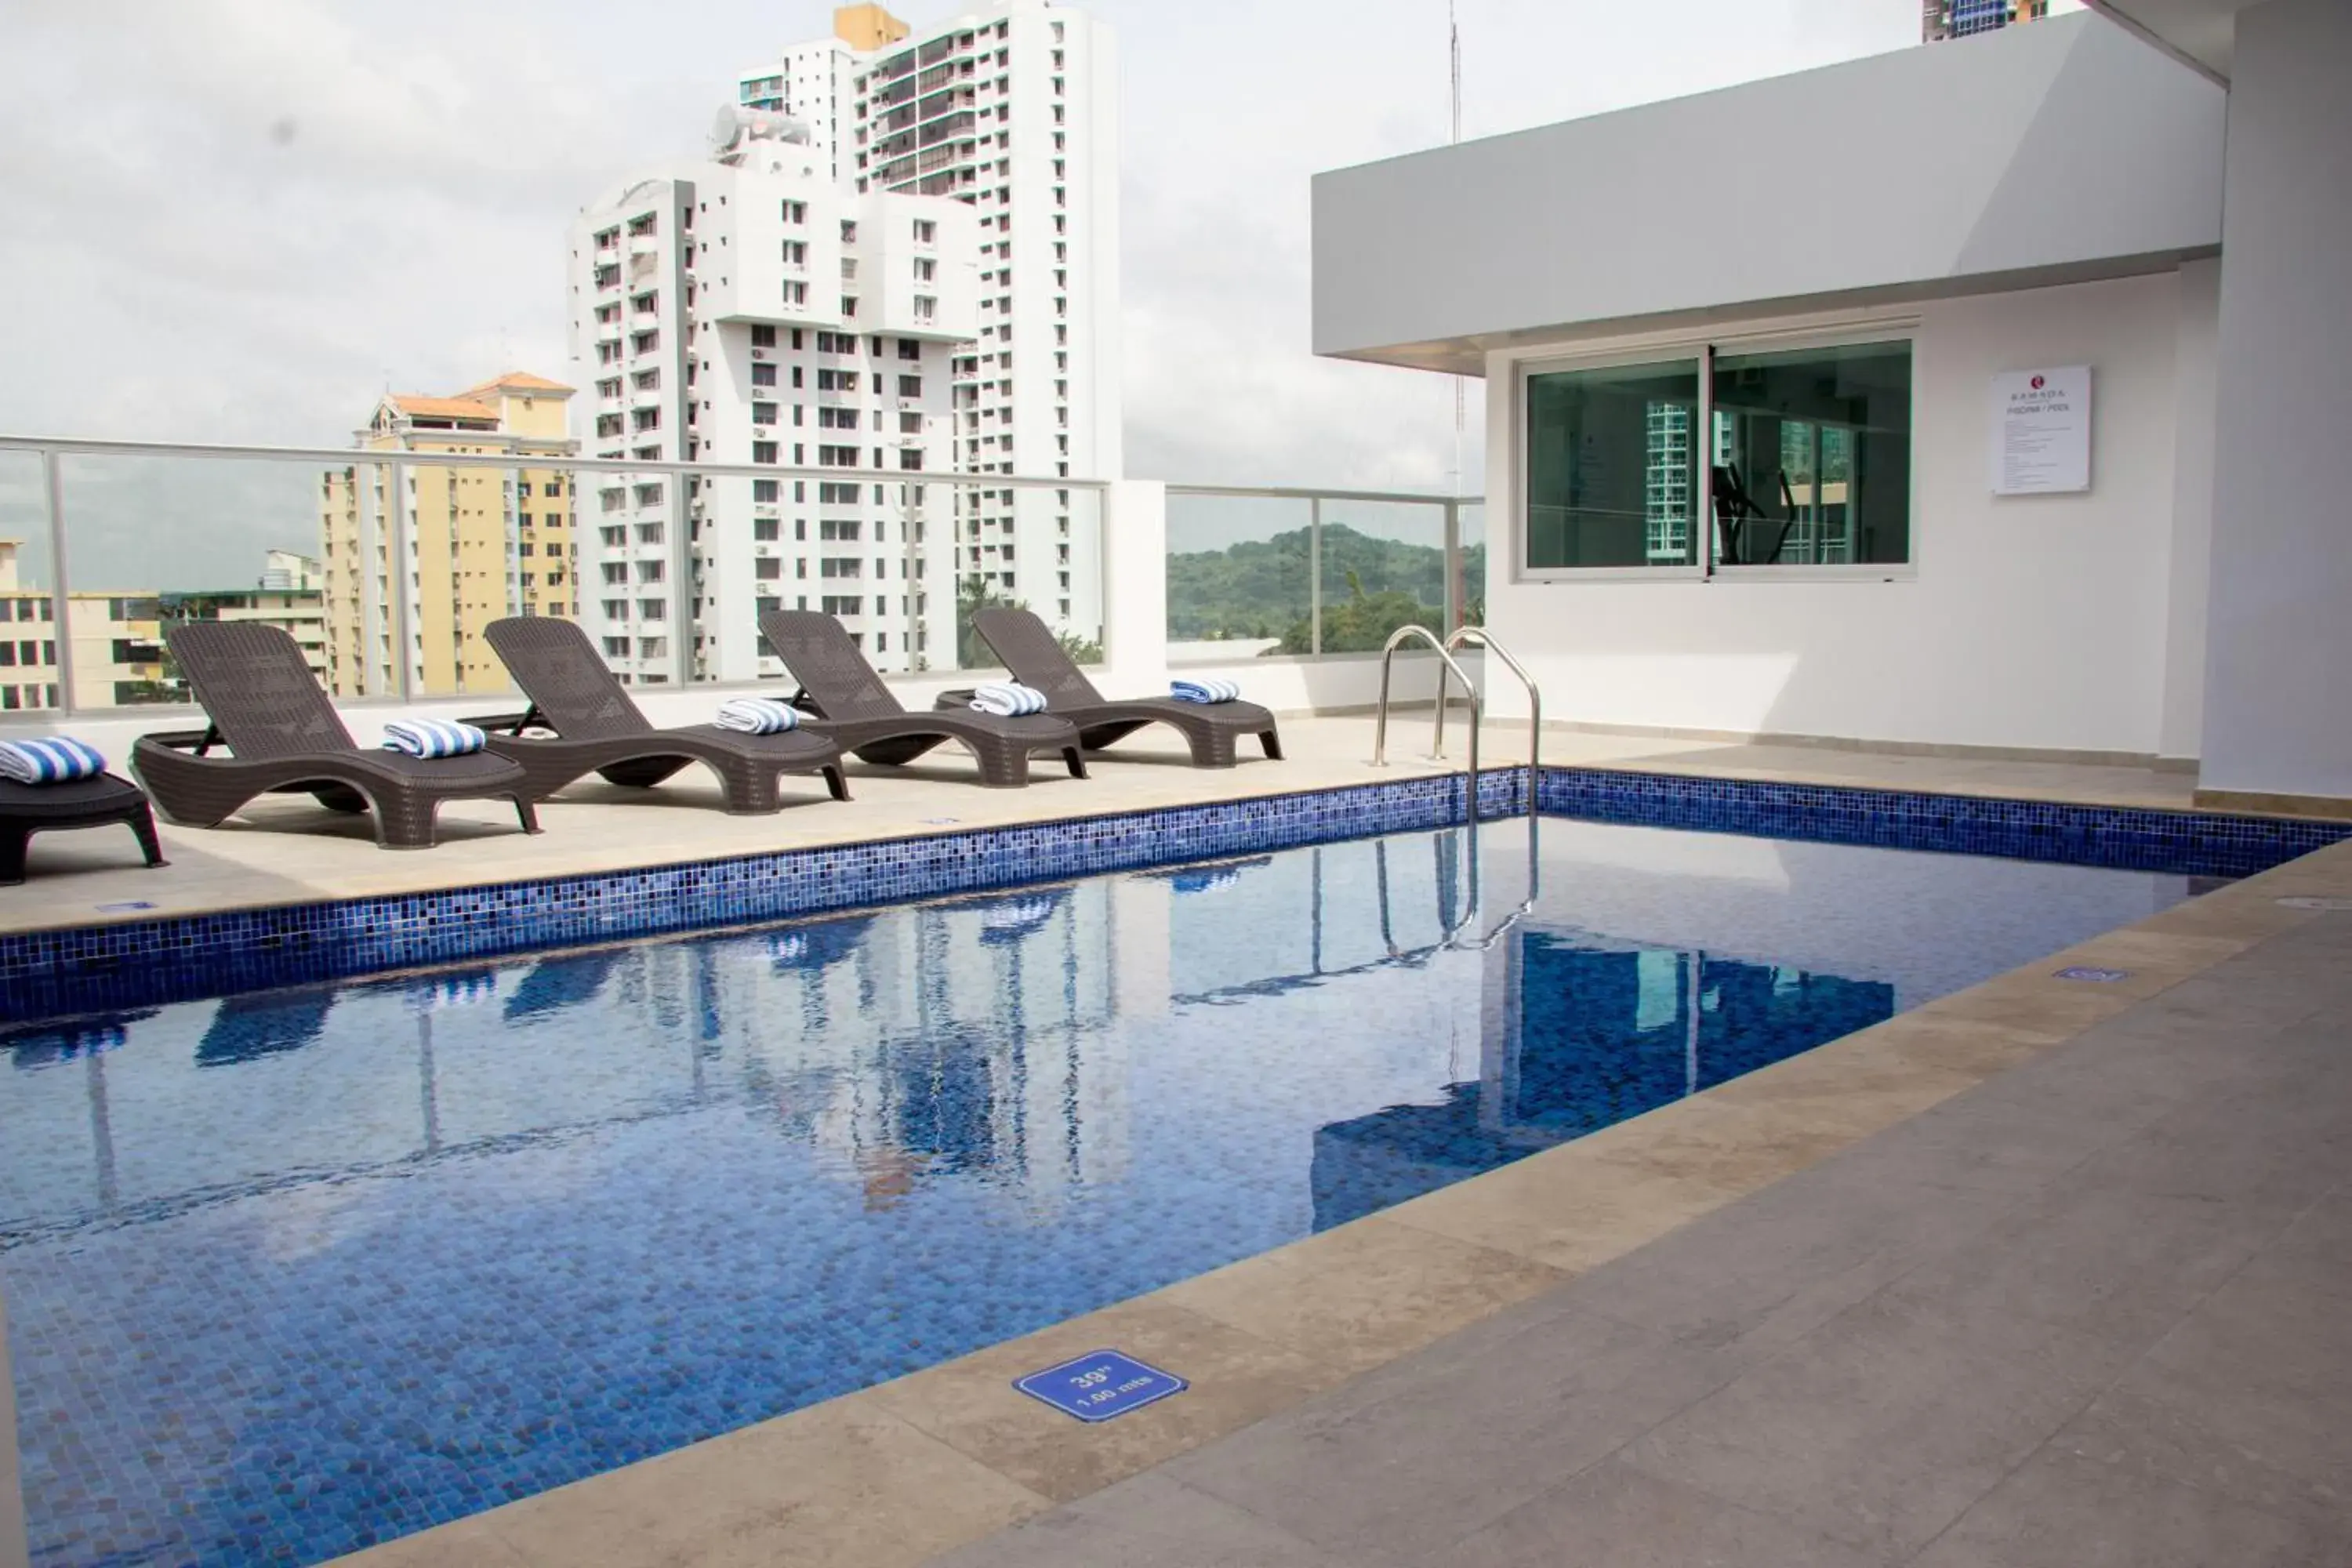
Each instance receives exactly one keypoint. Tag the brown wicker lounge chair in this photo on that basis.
(1036, 658)
(287, 739)
(855, 708)
(27, 809)
(595, 727)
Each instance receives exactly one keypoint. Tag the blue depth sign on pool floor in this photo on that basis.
(1100, 1385)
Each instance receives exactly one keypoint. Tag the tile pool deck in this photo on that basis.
(2043, 1272)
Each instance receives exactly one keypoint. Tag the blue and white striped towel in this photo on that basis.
(1008, 699)
(433, 737)
(1204, 690)
(52, 759)
(757, 715)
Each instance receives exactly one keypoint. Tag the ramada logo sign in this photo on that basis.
(2038, 383)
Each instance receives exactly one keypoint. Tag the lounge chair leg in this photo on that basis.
(1273, 745)
(12, 855)
(528, 813)
(143, 826)
(1078, 760)
(835, 782)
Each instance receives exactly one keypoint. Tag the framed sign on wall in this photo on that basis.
(2041, 431)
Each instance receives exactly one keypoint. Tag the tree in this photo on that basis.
(975, 594)
(1361, 623)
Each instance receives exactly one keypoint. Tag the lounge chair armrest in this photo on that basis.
(507, 723)
(194, 740)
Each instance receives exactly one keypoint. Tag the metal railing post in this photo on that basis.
(1314, 575)
(60, 597)
(1458, 600)
(1535, 705)
(398, 545)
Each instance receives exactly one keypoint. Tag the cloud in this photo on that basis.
(242, 219)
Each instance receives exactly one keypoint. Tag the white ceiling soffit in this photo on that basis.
(2200, 31)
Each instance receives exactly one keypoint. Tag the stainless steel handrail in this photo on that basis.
(1535, 702)
(1381, 714)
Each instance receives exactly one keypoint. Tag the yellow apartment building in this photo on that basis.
(484, 542)
(118, 657)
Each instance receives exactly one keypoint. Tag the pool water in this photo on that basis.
(293, 1272)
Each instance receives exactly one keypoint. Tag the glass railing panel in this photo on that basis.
(1383, 567)
(1037, 547)
(154, 540)
(1239, 583)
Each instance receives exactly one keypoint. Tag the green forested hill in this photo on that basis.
(1258, 589)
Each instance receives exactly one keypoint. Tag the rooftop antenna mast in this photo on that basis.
(1453, 52)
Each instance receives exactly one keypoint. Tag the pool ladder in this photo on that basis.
(1445, 648)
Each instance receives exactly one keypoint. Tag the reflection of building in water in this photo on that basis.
(1581, 1035)
(960, 1037)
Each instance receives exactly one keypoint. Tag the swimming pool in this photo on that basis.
(301, 1270)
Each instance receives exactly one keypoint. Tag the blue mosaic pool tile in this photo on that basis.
(137, 964)
(143, 963)
(2184, 843)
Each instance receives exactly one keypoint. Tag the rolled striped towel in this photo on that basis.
(433, 737)
(55, 759)
(757, 715)
(1204, 690)
(1007, 700)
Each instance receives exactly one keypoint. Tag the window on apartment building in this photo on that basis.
(831, 418)
(763, 336)
(653, 610)
(849, 307)
(764, 530)
(829, 493)
(836, 457)
(840, 566)
(927, 308)
(910, 387)
(793, 212)
(838, 527)
(651, 532)
(642, 224)
(644, 343)
(617, 609)
(796, 375)
(644, 419)
(796, 253)
(764, 451)
(766, 492)
(767, 569)
(911, 423)
(795, 292)
(616, 648)
(763, 414)
(763, 375)
(1789, 458)
(646, 380)
(650, 571)
(840, 604)
(926, 269)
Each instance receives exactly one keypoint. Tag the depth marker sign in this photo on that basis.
(1100, 1385)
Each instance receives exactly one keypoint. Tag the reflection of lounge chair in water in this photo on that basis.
(33, 1046)
(555, 984)
(1010, 920)
(247, 1028)
(818, 945)
(1208, 879)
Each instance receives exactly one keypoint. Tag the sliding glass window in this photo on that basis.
(1807, 461)
(1812, 457)
(1612, 469)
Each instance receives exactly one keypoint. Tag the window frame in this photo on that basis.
(1704, 347)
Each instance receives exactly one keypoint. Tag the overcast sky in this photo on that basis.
(243, 219)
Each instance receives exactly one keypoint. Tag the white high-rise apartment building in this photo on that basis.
(750, 311)
(1011, 108)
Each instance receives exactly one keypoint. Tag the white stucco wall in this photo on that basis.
(2044, 623)
(2278, 710)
